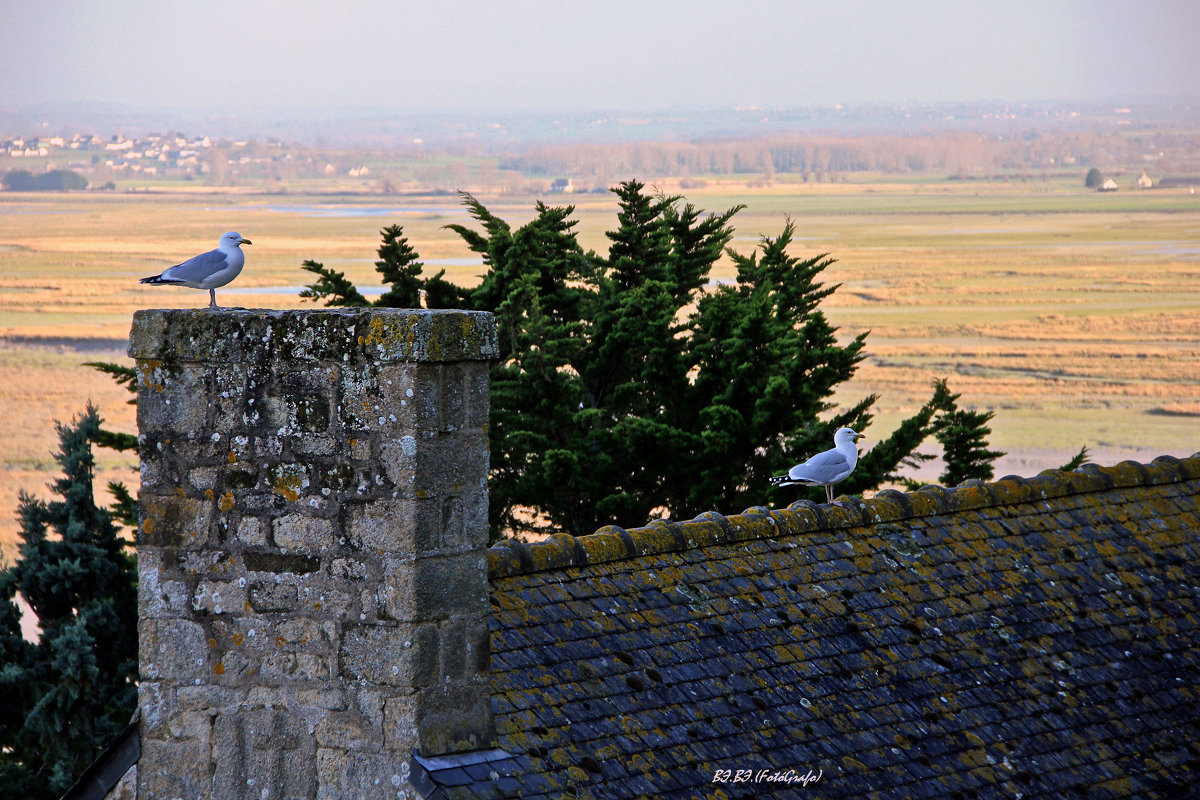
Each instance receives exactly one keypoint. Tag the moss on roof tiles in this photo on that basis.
(613, 543)
(1027, 637)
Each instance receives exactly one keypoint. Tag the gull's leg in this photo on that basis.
(829, 493)
(212, 298)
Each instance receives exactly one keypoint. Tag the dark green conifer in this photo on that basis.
(963, 436)
(68, 693)
(629, 387)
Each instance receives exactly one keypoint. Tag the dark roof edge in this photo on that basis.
(612, 543)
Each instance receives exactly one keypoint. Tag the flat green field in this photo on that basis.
(1074, 315)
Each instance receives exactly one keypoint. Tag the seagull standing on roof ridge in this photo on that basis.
(825, 469)
(208, 270)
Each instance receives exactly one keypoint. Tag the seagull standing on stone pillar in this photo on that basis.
(825, 469)
(208, 270)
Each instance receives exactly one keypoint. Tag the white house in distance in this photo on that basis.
(1109, 185)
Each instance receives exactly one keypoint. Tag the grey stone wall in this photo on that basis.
(311, 553)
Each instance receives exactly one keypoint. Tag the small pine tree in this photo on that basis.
(1094, 178)
(66, 695)
(963, 436)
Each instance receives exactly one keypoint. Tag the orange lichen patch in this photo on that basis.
(226, 502)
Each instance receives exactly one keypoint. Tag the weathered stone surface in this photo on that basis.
(263, 753)
(301, 533)
(173, 521)
(436, 587)
(172, 649)
(380, 336)
(341, 775)
(158, 594)
(454, 719)
(271, 596)
(381, 654)
(175, 769)
(219, 597)
(314, 513)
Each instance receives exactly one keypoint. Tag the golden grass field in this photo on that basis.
(1075, 316)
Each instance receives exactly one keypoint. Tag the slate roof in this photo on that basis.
(1023, 638)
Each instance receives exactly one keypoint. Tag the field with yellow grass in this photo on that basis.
(1074, 315)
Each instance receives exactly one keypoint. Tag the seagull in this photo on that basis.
(825, 469)
(208, 270)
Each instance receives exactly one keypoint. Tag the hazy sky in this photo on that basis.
(564, 55)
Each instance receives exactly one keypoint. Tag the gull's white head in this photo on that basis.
(846, 436)
(232, 239)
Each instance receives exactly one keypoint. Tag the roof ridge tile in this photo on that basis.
(614, 543)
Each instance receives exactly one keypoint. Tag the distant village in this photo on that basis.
(172, 155)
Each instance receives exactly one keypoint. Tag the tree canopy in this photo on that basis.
(72, 690)
(630, 384)
(54, 181)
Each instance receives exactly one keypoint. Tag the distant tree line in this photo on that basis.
(55, 181)
(819, 157)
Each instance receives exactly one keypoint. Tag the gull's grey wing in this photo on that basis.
(821, 468)
(197, 268)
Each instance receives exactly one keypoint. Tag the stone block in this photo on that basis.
(299, 533)
(159, 595)
(191, 725)
(171, 397)
(286, 667)
(379, 654)
(220, 597)
(175, 769)
(348, 730)
(250, 531)
(465, 649)
(267, 596)
(450, 524)
(206, 697)
(158, 703)
(344, 774)
(172, 649)
(280, 563)
(289, 480)
(436, 587)
(326, 598)
(380, 527)
(454, 719)
(477, 387)
(173, 521)
(400, 723)
(263, 752)
(322, 699)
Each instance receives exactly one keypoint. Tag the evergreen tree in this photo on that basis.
(963, 435)
(629, 388)
(76, 687)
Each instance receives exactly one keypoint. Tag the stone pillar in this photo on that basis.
(311, 553)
